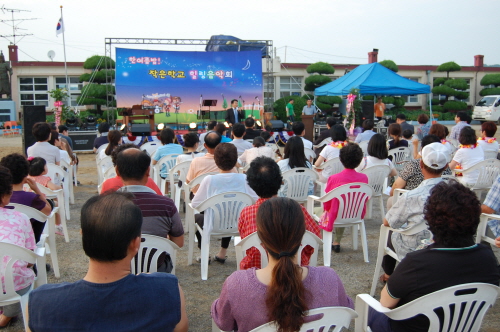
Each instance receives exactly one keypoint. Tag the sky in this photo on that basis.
(420, 32)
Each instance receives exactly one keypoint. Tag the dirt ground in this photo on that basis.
(355, 274)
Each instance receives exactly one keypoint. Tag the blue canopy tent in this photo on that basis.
(372, 79)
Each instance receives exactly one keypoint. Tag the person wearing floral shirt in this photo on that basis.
(491, 205)
(15, 228)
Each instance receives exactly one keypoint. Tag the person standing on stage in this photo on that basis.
(379, 108)
(289, 111)
(234, 115)
(309, 109)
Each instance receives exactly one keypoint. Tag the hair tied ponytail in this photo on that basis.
(284, 254)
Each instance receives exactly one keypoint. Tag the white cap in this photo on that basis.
(435, 155)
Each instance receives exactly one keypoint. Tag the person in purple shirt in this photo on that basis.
(250, 298)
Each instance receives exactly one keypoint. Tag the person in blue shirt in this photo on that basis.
(167, 136)
(221, 129)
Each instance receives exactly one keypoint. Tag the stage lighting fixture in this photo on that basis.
(192, 125)
(258, 123)
(161, 126)
(122, 126)
(226, 124)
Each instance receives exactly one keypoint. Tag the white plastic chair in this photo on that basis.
(334, 166)
(143, 263)
(488, 171)
(490, 154)
(310, 154)
(69, 168)
(102, 147)
(383, 249)
(296, 183)
(174, 177)
(49, 232)
(15, 253)
(75, 171)
(221, 219)
(377, 176)
(252, 240)
(189, 217)
(109, 173)
(57, 171)
(333, 319)
(400, 156)
(352, 199)
(364, 147)
(150, 147)
(169, 161)
(464, 307)
(102, 166)
(324, 142)
(61, 210)
(482, 227)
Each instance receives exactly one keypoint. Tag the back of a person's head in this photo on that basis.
(167, 136)
(41, 131)
(281, 226)
(132, 164)
(298, 127)
(401, 116)
(120, 148)
(226, 156)
(265, 135)
(220, 128)
(422, 118)
(17, 165)
(467, 136)
(377, 147)
(264, 177)
(407, 134)
(54, 135)
(338, 133)
(249, 122)
(62, 128)
(452, 212)
(5, 182)
(212, 139)
(211, 125)
(238, 130)
(428, 140)
(395, 129)
(294, 152)
(114, 139)
(438, 130)
(258, 142)
(103, 127)
(330, 121)
(53, 126)
(351, 155)
(108, 224)
(489, 127)
(37, 166)
(368, 125)
(190, 140)
(462, 116)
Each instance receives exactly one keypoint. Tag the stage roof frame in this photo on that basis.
(110, 42)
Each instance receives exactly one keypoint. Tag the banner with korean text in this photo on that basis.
(173, 84)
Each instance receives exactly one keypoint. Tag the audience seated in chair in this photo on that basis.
(469, 154)
(250, 132)
(167, 136)
(210, 127)
(409, 208)
(300, 130)
(282, 291)
(239, 138)
(339, 139)
(191, 143)
(259, 150)
(19, 169)
(114, 140)
(109, 297)
(116, 183)
(42, 148)
(159, 212)
(222, 130)
(103, 138)
(491, 205)
(487, 141)
(225, 157)
(367, 133)
(15, 228)
(264, 177)
(350, 156)
(452, 212)
(377, 155)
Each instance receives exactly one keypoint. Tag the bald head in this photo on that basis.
(212, 139)
(133, 164)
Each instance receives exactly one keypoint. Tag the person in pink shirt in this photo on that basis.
(350, 156)
(15, 228)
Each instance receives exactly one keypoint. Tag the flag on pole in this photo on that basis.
(60, 27)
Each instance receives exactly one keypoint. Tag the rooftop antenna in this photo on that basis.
(13, 21)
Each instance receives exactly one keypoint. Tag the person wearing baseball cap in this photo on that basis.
(408, 210)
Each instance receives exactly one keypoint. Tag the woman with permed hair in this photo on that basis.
(283, 291)
(467, 155)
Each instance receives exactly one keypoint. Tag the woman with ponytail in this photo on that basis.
(114, 139)
(283, 291)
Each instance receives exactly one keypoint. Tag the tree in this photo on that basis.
(447, 67)
(450, 88)
(389, 64)
(315, 81)
(490, 79)
(98, 87)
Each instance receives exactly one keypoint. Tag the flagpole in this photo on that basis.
(65, 65)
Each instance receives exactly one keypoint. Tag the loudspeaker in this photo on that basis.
(140, 129)
(368, 111)
(30, 116)
(277, 125)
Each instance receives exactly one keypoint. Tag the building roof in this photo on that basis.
(45, 64)
(401, 67)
